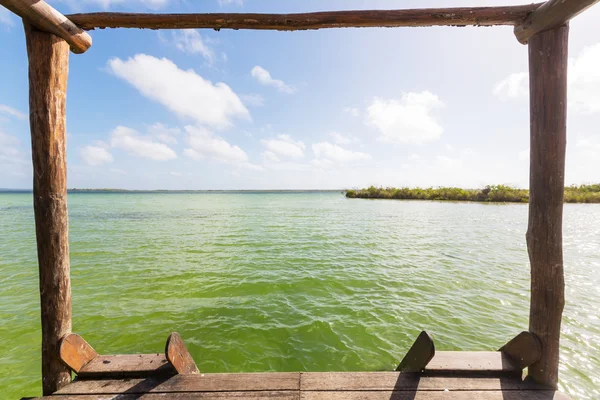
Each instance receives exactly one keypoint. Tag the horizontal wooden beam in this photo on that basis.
(477, 16)
(41, 15)
(550, 14)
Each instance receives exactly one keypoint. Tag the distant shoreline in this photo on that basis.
(489, 194)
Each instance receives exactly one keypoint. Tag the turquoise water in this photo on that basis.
(293, 282)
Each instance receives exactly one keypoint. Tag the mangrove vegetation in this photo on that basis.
(496, 193)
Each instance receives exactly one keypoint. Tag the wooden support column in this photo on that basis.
(48, 72)
(548, 112)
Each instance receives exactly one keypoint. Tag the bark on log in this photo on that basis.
(478, 16)
(44, 17)
(549, 15)
(48, 72)
(548, 52)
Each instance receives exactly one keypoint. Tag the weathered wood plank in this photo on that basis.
(127, 365)
(548, 58)
(524, 349)
(479, 16)
(183, 396)
(550, 14)
(273, 381)
(41, 15)
(471, 363)
(396, 381)
(48, 73)
(419, 355)
(75, 351)
(179, 356)
(439, 395)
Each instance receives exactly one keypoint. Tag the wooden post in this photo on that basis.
(48, 72)
(548, 112)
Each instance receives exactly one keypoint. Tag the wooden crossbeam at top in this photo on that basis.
(528, 19)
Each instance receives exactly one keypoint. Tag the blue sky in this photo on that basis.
(328, 109)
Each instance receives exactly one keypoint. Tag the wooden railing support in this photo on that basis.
(548, 52)
(48, 72)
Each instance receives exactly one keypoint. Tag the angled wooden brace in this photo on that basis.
(419, 355)
(524, 349)
(179, 356)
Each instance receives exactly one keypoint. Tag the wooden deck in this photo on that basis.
(308, 386)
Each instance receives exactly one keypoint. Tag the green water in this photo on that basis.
(293, 282)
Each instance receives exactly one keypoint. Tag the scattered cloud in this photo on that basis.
(253, 100)
(524, 155)
(163, 133)
(407, 120)
(330, 153)
(4, 109)
(514, 86)
(204, 144)
(228, 2)
(352, 111)
(184, 92)
(269, 157)
(264, 78)
(583, 80)
(95, 155)
(140, 145)
(284, 146)
(190, 41)
(106, 4)
(10, 154)
(338, 138)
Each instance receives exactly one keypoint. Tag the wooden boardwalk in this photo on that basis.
(307, 386)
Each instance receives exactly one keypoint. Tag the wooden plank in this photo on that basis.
(273, 381)
(478, 16)
(471, 363)
(179, 356)
(41, 15)
(550, 14)
(48, 73)
(548, 58)
(184, 396)
(441, 395)
(127, 365)
(524, 349)
(75, 351)
(419, 355)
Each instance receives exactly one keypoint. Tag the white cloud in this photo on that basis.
(163, 133)
(228, 2)
(583, 81)
(284, 146)
(10, 154)
(12, 111)
(264, 78)
(408, 120)
(338, 138)
(335, 153)
(352, 111)
(143, 146)
(269, 157)
(94, 155)
(191, 42)
(203, 143)
(524, 155)
(106, 4)
(514, 86)
(184, 92)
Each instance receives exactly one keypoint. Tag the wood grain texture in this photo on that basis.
(185, 396)
(440, 395)
(550, 14)
(179, 356)
(419, 354)
(478, 16)
(48, 73)
(548, 58)
(75, 351)
(397, 381)
(273, 381)
(127, 365)
(473, 363)
(41, 15)
(524, 349)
